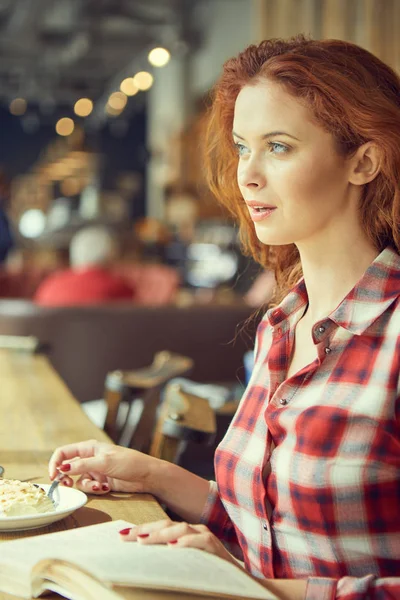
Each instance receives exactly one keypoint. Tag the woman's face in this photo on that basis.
(293, 180)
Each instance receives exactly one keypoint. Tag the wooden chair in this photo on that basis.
(144, 386)
(183, 418)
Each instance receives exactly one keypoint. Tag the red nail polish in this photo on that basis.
(105, 488)
(143, 535)
(173, 542)
(95, 488)
(65, 483)
(65, 468)
(125, 531)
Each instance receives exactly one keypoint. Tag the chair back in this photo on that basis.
(142, 385)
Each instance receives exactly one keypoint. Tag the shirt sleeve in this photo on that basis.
(216, 518)
(369, 587)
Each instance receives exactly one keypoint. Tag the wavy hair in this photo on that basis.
(352, 94)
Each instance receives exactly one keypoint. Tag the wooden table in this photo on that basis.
(37, 414)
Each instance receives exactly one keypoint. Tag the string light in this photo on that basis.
(117, 101)
(18, 106)
(128, 87)
(159, 57)
(83, 107)
(143, 80)
(65, 126)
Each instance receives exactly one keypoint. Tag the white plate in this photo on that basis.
(67, 500)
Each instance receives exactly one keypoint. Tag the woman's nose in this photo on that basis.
(250, 175)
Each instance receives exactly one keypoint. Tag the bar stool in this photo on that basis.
(140, 387)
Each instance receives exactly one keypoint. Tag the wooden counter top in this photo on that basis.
(37, 414)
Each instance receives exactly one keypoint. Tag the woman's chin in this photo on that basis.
(272, 240)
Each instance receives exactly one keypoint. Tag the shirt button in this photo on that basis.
(283, 401)
(265, 526)
(328, 350)
(321, 329)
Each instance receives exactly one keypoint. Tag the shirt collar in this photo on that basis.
(377, 289)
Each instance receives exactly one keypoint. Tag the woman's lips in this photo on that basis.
(259, 212)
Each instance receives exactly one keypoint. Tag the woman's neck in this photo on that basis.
(332, 272)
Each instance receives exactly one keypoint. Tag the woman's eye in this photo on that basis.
(277, 147)
(240, 149)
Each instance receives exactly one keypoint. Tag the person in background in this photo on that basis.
(6, 236)
(304, 148)
(89, 279)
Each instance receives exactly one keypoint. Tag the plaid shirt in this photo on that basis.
(308, 472)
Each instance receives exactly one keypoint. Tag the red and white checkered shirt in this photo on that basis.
(308, 474)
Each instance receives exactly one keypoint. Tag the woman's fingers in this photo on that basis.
(71, 451)
(93, 484)
(135, 533)
(67, 481)
(201, 541)
(80, 466)
(161, 532)
(177, 535)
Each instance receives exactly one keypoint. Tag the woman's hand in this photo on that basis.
(103, 467)
(179, 535)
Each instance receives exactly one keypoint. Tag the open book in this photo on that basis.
(92, 562)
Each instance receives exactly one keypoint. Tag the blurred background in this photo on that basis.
(102, 108)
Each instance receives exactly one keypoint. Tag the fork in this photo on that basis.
(54, 486)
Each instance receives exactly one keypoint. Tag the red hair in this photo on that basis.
(352, 94)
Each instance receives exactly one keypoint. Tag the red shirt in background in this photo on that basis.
(92, 285)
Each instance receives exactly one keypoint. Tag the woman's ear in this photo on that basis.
(365, 164)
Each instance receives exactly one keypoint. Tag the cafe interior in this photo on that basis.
(103, 105)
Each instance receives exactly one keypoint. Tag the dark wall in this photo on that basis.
(122, 148)
(19, 150)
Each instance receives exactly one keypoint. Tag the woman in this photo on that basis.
(307, 475)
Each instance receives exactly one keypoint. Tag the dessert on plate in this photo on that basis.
(20, 498)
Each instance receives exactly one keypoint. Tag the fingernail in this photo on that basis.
(95, 488)
(65, 483)
(65, 468)
(105, 487)
(125, 531)
(173, 542)
(143, 535)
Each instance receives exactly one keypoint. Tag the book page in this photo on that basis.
(99, 550)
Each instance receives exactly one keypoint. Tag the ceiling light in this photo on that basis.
(65, 126)
(128, 87)
(18, 106)
(143, 80)
(159, 57)
(83, 107)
